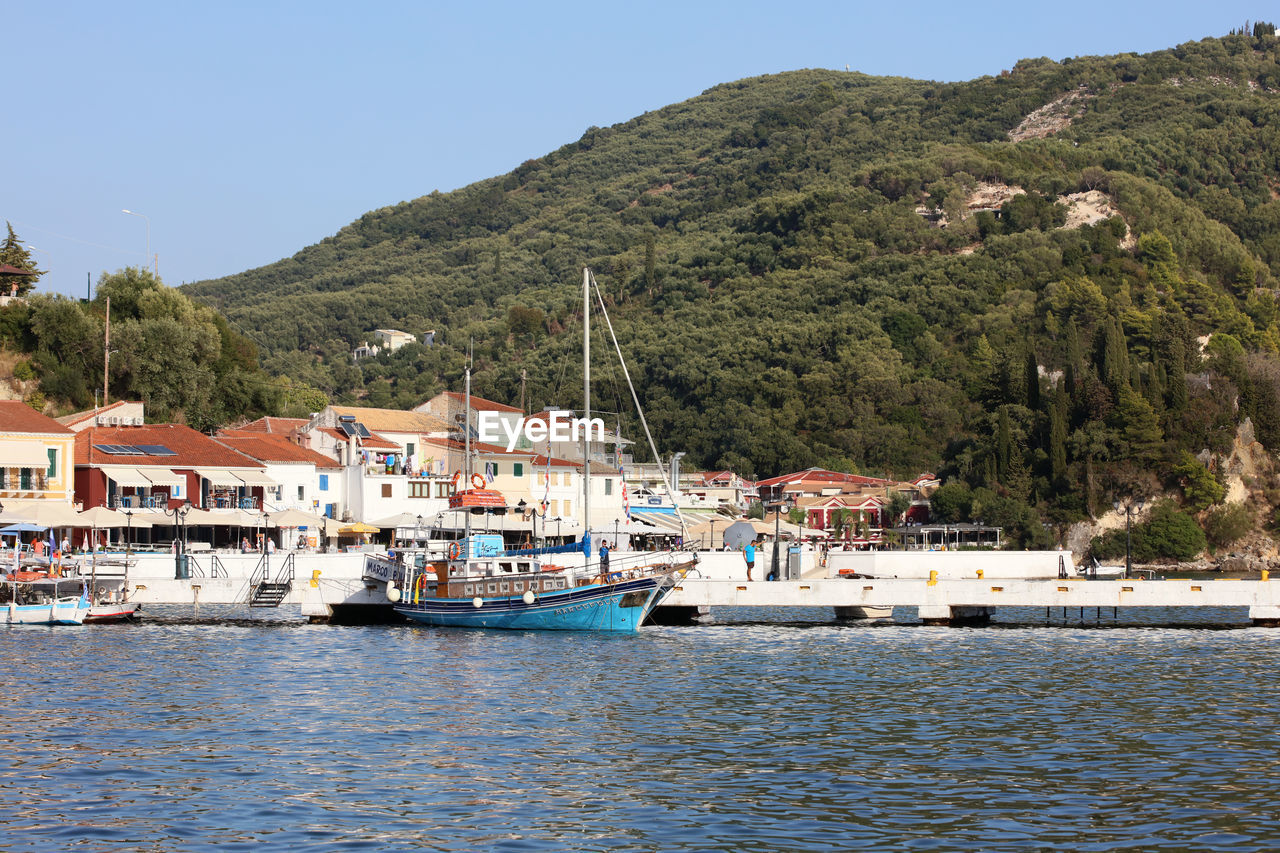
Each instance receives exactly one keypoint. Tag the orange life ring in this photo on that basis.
(457, 476)
(454, 550)
(479, 485)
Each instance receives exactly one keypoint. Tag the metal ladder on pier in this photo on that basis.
(268, 591)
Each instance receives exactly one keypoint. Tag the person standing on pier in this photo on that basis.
(749, 555)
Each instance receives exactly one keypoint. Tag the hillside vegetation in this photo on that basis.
(1011, 281)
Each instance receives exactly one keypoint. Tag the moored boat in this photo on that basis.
(485, 587)
(29, 601)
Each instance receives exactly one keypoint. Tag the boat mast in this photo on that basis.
(466, 458)
(666, 481)
(586, 403)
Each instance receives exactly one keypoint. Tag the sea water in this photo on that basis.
(760, 732)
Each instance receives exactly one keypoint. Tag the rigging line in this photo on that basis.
(643, 421)
(31, 227)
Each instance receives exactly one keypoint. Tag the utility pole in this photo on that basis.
(106, 353)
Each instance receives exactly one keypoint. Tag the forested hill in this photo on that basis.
(1006, 280)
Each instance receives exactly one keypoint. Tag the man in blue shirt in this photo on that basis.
(749, 554)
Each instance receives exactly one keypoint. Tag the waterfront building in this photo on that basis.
(161, 466)
(303, 479)
(37, 458)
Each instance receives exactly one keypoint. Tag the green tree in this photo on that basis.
(14, 254)
(1226, 524)
(1200, 489)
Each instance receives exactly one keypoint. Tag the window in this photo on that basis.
(386, 490)
(324, 482)
(517, 468)
(555, 478)
(419, 489)
(518, 586)
(492, 467)
(302, 492)
(408, 449)
(505, 587)
(568, 509)
(608, 486)
(53, 463)
(493, 588)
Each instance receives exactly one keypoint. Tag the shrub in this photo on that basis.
(1227, 523)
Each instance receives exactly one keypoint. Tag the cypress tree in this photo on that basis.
(1058, 437)
(1032, 373)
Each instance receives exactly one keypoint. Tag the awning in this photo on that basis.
(254, 477)
(665, 522)
(163, 477)
(23, 454)
(129, 477)
(220, 477)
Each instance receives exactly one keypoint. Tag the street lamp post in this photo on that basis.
(148, 221)
(616, 522)
(558, 530)
(1128, 507)
(180, 569)
(266, 547)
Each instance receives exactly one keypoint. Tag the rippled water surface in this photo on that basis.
(761, 735)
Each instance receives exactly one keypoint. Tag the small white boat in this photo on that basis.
(1100, 572)
(27, 605)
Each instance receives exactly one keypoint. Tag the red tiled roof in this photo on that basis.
(266, 447)
(480, 404)
(191, 448)
(17, 416)
(80, 417)
(281, 426)
(373, 442)
(821, 475)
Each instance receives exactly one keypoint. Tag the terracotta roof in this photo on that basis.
(80, 417)
(821, 475)
(394, 420)
(190, 448)
(273, 448)
(373, 442)
(480, 404)
(17, 416)
(280, 426)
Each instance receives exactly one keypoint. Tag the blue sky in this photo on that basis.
(246, 131)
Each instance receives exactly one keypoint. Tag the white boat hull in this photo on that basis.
(63, 611)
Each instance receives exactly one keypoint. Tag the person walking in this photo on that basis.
(604, 557)
(749, 555)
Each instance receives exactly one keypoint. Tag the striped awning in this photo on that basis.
(254, 477)
(129, 477)
(163, 477)
(220, 477)
(23, 454)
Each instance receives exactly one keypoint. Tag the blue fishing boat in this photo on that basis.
(482, 586)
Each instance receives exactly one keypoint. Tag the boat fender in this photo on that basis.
(529, 597)
(477, 602)
(393, 594)
(478, 485)
(454, 550)
(457, 478)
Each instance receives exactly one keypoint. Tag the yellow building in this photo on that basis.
(37, 457)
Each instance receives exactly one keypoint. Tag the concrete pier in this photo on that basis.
(975, 600)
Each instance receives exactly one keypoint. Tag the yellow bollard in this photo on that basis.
(980, 574)
(933, 578)
(1266, 574)
(315, 578)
